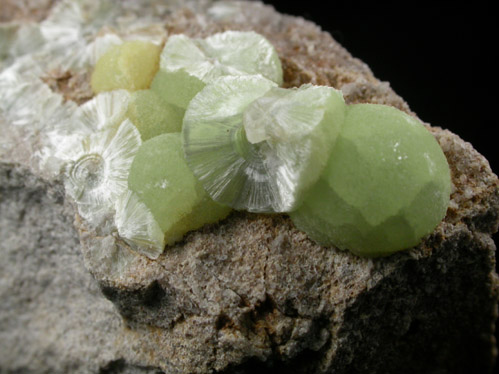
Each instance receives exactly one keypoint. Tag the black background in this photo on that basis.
(438, 56)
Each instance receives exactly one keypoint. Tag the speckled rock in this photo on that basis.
(251, 294)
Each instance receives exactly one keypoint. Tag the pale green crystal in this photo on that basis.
(256, 147)
(386, 185)
(131, 66)
(152, 115)
(164, 183)
(187, 65)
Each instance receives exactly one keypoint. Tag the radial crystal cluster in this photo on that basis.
(258, 147)
(187, 65)
(176, 137)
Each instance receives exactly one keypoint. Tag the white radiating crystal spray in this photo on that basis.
(97, 169)
(29, 109)
(257, 147)
(93, 144)
(137, 225)
(227, 53)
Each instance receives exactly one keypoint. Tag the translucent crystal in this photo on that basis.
(164, 183)
(257, 148)
(152, 115)
(386, 185)
(70, 28)
(296, 129)
(18, 39)
(137, 225)
(177, 88)
(29, 110)
(205, 212)
(107, 109)
(97, 169)
(131, 66)
(187, 65)
(25, 100)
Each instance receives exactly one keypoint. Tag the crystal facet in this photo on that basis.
(164, 183)
(256, 147)
(187, 65)
(386, 185)
(131, 66)
(152, 115)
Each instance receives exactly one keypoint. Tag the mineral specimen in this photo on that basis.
(187, 65)
(258, 147)
(386, 185)
(252, 294)
(152, 115)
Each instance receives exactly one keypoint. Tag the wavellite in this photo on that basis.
(386, 185)
(187, 65)
(376, 188)
(162, 180)
(437, 301)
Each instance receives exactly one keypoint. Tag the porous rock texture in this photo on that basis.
(251, 294)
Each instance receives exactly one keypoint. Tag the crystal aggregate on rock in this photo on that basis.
(253, 293)
(386, 185)
(162, 180)
(187, 64)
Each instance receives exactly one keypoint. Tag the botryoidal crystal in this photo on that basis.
(386, 185)
(161, 179)
(250, 144)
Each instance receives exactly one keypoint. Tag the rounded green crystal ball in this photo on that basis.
(386, 185)
(163, 182)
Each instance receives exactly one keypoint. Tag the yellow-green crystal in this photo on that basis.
(386, 185)
(205, 212)
(163, 182)
(131, 66)
(153, 116)
(178, 87)
(187, 65)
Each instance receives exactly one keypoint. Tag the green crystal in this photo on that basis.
(153, 116)
(131, 66)
(162, 180)
(386, 185)
(177, 88)
(187, 65)
(258, 147)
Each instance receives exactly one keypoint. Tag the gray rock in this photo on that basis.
(251, 294)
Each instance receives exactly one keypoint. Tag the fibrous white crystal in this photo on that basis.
(137, 225)
(227, 53)
(97, 169)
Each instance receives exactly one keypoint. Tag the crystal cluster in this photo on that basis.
(257, 147)
(187, 65)
(386, 185)
(177, 136)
